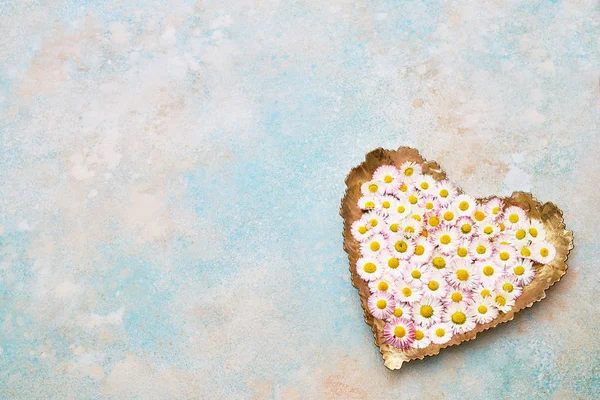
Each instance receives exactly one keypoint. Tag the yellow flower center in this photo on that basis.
(373, 188)
(513, 218)
(501, 300)
(444, 193)
(433, 285)
(385, 204)
(374, 222)
(388, 179)
(462, 252)
(416, 217)
(426, 311)
(502, 227)
(544, 252)
(533, 232)
(462, 274)
(399, 331)
(424, 233)
(448, 215)
(519, 270)
(383, 286)
(525, 252)
(362, 230)
(419, 335)
(445, 239)
(434, 221)
(440, 332)
(508, 287)
(419, 250)
(495, 210)
(409, 229)
(394, 227)
(482, 309)
(456, 297)
(463, 206)
(401, 246)
(439, 262)
(398, 312)
(393, 263)
(504, 256)
(424, 185)
(520, 234)
(401, 209)
(403, 187)
(488, 270)
(429, 205)
(408, 171)
(479, 215)
(412, 199)
(416, 274)
(406, 291)
(369, 268)
(480, 249)
(459, 317)
(369, 204)
(374, 246)
(488, 230)
(465, 228)
(486, 293)
(381, 304)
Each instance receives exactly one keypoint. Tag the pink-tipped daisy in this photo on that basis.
(386, 204)
(369, 269)
(399, 332)
(522, 271)
(489, 272)
(446, 239)
(423, 251)
(373, 246)
(408, 292)
(433, 221)
(427, 311)
(360, 230)
(493, 209)
(461, 275)
(514, 217)
(410, 170)
(439, 261)
(483, 309)
(509, 286)
(425, 184)
(381, 305)
(374, 220)
(505, 255)
(488, 229)
(466, 226)
(392, 226)
(392, 264)
(463, 251)
(421, 338)
(458, 318)
(543, 252)
(431, 204)
(401, 247)
(458, 296)
(535, 230)
(372, 188)
(464, 204)
(503, 301)
(435, 286)
(384, 284)
(368, 202)
(416, 272)
(479, 215)
(402, 310)
(440, 333)
(389, 176)
(410, 227)
(481, 248)
(449, 216)
(445, 192)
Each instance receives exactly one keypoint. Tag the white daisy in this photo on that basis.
(402, 310)
(446, 239)
(369, 269)
(440, 333)
(543, 252)
(458, 296)
(432, 221)
(408, 293)
(391, 227)
(523, 271)
(360, 230)
(493, 209)
(381, 304)
(458, 318)
(463, 251)
(462, 275)
(466, 226)
(421, 338)
(489, 272)
(414, 198)
(439, 261)
(401, 209)
(449, 216)
(445, 192)
(423, 251)
(427, 311)
(488, 228)
(505, 255)
(401, 247)
(514, 217)
(383, 284)
(483, 310)
(503, 302)
(535, 230)
(368, 202)
(481, 248)
(373, 245)
(464, 204)
(509, 286)
(392, 264)
(374, 220)
(525, 251)
(518, 237)
(386, 205)
(479, 215)
(425, 184)
(372, 188)
(436, 286)
(409, 170)
(431, 204)
(389, 176)
(410, 227)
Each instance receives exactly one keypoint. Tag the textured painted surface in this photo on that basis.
(170, 178)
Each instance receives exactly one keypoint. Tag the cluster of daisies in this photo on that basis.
(438, 262)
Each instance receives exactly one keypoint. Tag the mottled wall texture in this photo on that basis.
(171, 175)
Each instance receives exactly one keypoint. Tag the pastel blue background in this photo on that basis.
(171, 175)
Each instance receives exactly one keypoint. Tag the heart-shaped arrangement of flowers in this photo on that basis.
(434, 266)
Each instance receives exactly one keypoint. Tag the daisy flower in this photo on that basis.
(502, 301)
(410, 170)
(401, 310)
(479, 215)
(414, 197)
(369, 269)
(431, 204)
(514, 217)
(543, 252)
(508, 286)
(423, 251)
(458, 296)
(373, 245)
(445, 191)
(493, 209)
(417, 273)
(502, 239)
(488, 228)
(462, 275)
(410, 227)
(360, 230)
(372, 188)
(523, 271)
(440, 333)
(463, 251)
(386, 204)
(401, 247)
(524, 251)
(458, 318)
(505, 255)
(381, 304)
(427, 311)
(535, 230)
(517, 237)
(417, 215)
(401, 209)
(392, 264)
(481, 248)
(368, 202)
(399, 332)
(403, 187)
(421, 338)
(389, 176)
(391, 227)
(439, 260)
(435, 286)
(432, 221)
(449, 215)
(446, 239)
(489, 272)
(465, 225)
(425, 184)
(374, 220)
(483, 310)
(383, 284)
(408, 293)
(465, 204)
